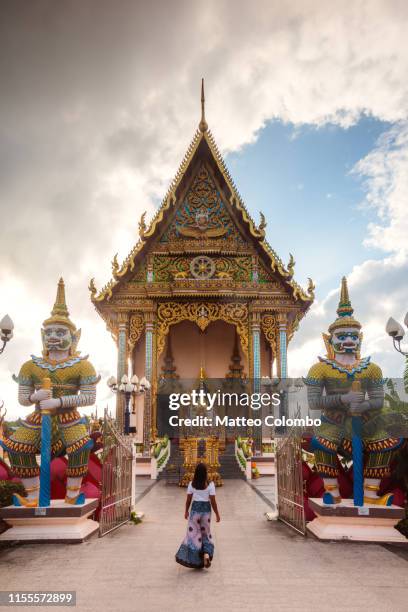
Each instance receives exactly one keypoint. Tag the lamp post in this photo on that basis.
(128, 388)
(397, 332)
(6, 331)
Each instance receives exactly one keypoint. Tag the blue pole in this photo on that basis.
(357, 446)
(45, 470)
(358, 479)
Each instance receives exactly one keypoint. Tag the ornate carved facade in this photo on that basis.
(203, 260)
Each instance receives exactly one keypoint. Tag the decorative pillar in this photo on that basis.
(122, 366)
(149, 416)
(256, 353)
(283, 362)
(271, 362)
(256, 370)
(283, 347)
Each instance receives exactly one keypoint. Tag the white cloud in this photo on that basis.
(385, 175)
(377, 291)
(378, 288)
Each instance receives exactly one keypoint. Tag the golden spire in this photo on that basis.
(60, 313)
(344, 310)
(203, 125)
(60, 306)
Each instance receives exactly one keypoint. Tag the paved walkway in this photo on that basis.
(265, 487)
(258, 565)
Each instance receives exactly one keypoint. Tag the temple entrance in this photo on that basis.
(210, 359)
(190, 349)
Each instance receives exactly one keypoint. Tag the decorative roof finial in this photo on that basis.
(60, 306)
(59, 313)
(344, 310)
(203, 125)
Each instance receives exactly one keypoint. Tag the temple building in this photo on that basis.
(202, 290)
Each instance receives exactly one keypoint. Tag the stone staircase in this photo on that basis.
(173, 472)
(229, 466)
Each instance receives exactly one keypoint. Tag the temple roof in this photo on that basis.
(203, 150)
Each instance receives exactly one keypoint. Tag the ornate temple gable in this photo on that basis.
(203, 214)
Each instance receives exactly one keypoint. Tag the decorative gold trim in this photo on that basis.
(369, 487)
(142, 226)
(293, 325)
(136, 328)
(269, 326)
(291, 265)
(201, 313)
(331, 487)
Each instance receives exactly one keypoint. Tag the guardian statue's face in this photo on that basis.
(346, 340)
(56, 337)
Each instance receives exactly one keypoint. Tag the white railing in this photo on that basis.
(244, 463)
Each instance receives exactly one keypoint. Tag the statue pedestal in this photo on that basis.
(370, 523)
(60, 522)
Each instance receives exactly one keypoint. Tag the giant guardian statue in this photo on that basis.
(343, 385)
(71, 381)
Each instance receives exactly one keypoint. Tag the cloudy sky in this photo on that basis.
(99, 100)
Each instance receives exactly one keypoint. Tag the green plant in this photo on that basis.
(241, 459)
(134, 518)
(7, 490)
(392, 397)
(162, 459)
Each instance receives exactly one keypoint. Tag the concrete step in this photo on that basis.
(229, 468)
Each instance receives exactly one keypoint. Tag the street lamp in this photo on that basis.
(397, 332)
(6, 331)
(128, 388)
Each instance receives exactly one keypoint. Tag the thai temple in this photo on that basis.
(202, 290)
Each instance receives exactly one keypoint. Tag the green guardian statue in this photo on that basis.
(73, 385)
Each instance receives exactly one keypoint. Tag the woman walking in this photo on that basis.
(197, 549)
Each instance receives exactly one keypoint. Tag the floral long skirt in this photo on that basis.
(198, 538)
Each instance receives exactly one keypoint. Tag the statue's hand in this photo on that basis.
(359, 407)
(50, 404)
(40, 394)
(353, 397)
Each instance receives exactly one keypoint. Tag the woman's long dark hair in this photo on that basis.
(200, 477)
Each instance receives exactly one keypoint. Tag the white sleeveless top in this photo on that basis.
(201, 494)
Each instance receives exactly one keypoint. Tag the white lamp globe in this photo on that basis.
(392, 328)
(111, 382)
(6, 324)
